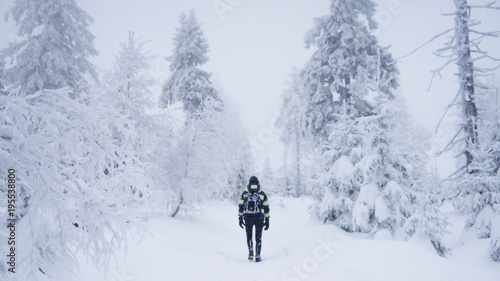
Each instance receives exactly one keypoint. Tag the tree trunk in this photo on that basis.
(466, 76)
(298, 156)
(174, 213)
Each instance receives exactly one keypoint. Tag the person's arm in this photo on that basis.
(241, 204)
(265, 206)
(240, 210)
(267, 215)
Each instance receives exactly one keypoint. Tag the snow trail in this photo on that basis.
(213, 247)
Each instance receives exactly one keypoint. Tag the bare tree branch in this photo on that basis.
(438, 71)
(483, 70)
(487, 6)
(451, 143)
(449, 178)
(490, 33)
(446, 112)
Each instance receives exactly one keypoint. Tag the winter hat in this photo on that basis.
(253, 185)
(253, 180)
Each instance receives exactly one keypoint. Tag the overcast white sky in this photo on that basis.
(254, 44)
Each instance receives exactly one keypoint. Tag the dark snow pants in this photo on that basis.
(258, 221)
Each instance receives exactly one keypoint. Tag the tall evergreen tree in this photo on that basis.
(243, 168)
(130, 82)
(188, 84)
(128, 87)
(343, 150)
(191, 46)
(345, 59)
(54, 47)
(291, 121)
(373, 165)
(351, 112)
(268, 177)
(202, 154)
(392, 159)
(241, 161)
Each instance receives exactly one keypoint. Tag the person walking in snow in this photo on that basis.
(254, 210)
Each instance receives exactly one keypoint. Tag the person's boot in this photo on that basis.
(250, 250)
(257, 249)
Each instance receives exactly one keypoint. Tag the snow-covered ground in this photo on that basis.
(211, 246)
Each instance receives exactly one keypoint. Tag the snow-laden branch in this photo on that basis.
(423, 45)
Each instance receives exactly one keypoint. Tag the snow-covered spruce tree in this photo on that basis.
(73, 189)
(489, 113)
(352, 111)
(344, 148)
(240, 162)
(486, 157)
(488, 108)
(427, 221)
(201, 158)
(268, 178)
(55, 35)
(291, 123)
(243, 168)
(475, 186)
(389, 161)
(387, 165)
(130, 81)
(201, 152)
(188, 84)
(345, 59)
(128, 88)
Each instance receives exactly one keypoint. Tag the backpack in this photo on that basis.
(252, 203)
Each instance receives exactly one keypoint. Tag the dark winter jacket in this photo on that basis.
(263, 204)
